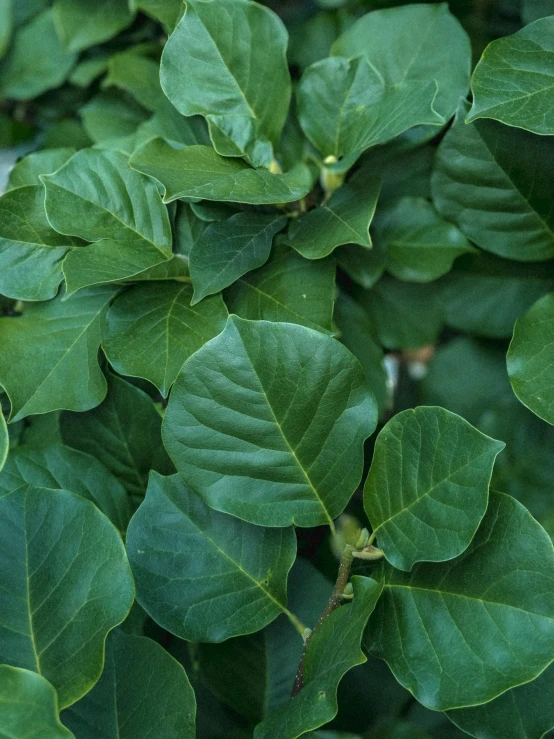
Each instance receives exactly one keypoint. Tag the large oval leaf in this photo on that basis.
(201, 574)
(143, 692)
(428, 486)
(461, 633)
(531, 356)
(267, 422)
(66, 584)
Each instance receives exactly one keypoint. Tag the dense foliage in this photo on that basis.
(277, 369)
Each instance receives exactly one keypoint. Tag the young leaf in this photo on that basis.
(203, 575)
(494, 603)
(29, 705)
(67, 583)
(228, 249)
(530, 358)
(420, 245)
(143, 692)
(345, 106)
(199, 172)
(59, 467)
(513, 82)
(49, 357)
(333, 649)
(344, 219)
(153, 328)
(123, 433)
(28, 170)
(80, 24)
(271, 452)
(210, 68)
(31, 252)
(430, 473)
(413, 43)
(521, 713)
(495, 182)
(287, 289)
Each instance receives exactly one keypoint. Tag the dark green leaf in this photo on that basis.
(138, 76)
(166, 11)
(170, 125)
(228, 249)
(532, 10)
(203, 575)
(430, 473)
(152, 329)
(67, 583)
(297, 447)
(143, 692)
(112, 121)
(81, 24)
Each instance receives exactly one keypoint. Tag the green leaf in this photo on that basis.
(28, 705)
(512, 82)
(521, 713)
(420, 245)
(167, 123)
(28, 170)
(494, 183)
(344, 219)
(143, 692)
(81, 24)
(67, 583)
(138, 76)
(153, 328)
(49, 357)
(463, 632)
(530, 358)
(210, 68)
(36, 61)
(4, 441)
(333, 649)
(199, 172)
(123, 433)
(59, 467)
(345, 106)
(31, 252)
(87, 71)
(364, 266)
(293, 453)
(532, 10)
(287, 289)
(430, 473)
(414, 43)
(112, 120)
(166, 11)
(203, 575)
(6, 26)
(228, 249)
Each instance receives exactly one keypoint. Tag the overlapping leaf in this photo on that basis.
(4, 441)
(267, 422)
(81, 24)
(201, 574)
(28, 170)
(139, 76)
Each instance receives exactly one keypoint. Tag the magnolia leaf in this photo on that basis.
(168, 124)
(413, 43)
(66, 584)
(28, 705)
(153, 328)
(98, 197)
(521, 713)
(4, 441)
(333, 649)
(364, 266)
(143, 692)
(494, 603)
(345, 219)
(345, 106)
(199, 172)
(123, 433)
(530, 358)
(201, 574)
(167, 12)
(494, 183)
(36, 61)
(59, 467)
(431, 471)
(28, 170)
(296, 454)
(210, 68)
(112, 120)
(513, 81)
(87, 71)
(228, 249)
(420, 246)
(81, 24)
(138, 76)
(31, 252)
(532, 10)
(287, 289)
(49, 357)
